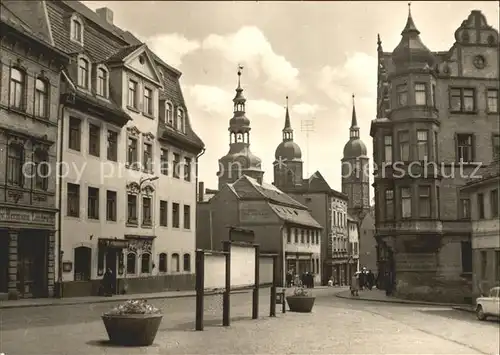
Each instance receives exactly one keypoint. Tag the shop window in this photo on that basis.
(131, 260)
(83, 258)
(175, 262)
(187, 262)
(162, 262)
(145, 263)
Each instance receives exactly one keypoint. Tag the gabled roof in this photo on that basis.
(30, 15)
(316, 183)
(12, 18)
(267, 191)
(123, 53)
(295, 216)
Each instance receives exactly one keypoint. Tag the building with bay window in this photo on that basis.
(29, 82)
(128, 195)
(437, 121)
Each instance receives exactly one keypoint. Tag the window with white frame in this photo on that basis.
(76, 30)
(41, 98)
(83, 73)
(169, 113)
(102, 82)
(180, 120)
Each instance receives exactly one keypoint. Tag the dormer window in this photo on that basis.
(83, 73)
(102, 82)
(76, 30)
(169, 111)
(180, 120)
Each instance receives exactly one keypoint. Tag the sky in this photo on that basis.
(317, 53)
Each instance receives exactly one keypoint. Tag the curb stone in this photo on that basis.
(464, 309)
(398, 301)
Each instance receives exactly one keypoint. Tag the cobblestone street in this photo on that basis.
(335, 326)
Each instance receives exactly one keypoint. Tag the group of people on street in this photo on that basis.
(364, 279)
(306, 279)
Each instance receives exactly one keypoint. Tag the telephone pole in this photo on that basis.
(307, 126)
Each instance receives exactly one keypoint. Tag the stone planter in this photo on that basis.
(132, 329)
(302, 304)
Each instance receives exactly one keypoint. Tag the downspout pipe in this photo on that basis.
(60, 190)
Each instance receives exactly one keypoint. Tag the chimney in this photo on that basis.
(106, 14)
(201, 191)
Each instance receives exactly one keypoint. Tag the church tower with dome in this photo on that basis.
(288, 164)
(239, 160)
(355, 171)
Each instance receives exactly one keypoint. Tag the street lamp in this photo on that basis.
(143, 180)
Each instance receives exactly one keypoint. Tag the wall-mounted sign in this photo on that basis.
(113, 243)
(18, 215)
(67, 266)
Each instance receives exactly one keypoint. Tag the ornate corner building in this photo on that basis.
(437, 110)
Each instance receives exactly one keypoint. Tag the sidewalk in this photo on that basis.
(43, 302)
(376, 295)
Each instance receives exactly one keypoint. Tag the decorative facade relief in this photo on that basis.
(133, 188)
(133, 131)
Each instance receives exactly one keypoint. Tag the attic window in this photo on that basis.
(141, 59)
(76, 29)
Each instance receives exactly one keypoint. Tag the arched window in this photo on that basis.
(83, 257)
(102, 82)
(41, 167)
(131, 263)
(145, 263)
(162, 262)
(187, 262)
(15, 164)
(76, 30)
(169, 111)
(83, 73)
(17, 88)
(180, 120)
(41, 98)
(175, 263)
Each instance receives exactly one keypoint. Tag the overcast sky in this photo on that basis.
(317, 53)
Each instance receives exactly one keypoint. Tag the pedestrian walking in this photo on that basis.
(355, 285)
(370, 280)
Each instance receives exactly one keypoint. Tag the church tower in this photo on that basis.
(239, 160)
(288, 165)
(355, 171)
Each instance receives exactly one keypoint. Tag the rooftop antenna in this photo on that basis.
(307, 126)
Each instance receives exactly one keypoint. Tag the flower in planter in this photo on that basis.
(133, 307)
(301, 291)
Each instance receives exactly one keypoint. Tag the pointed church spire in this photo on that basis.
(287, 130)
(354, 130)
(410, 25)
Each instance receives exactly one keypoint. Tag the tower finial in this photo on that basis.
(354, 120)
(353, 101)
(240, 68)
(286, 101)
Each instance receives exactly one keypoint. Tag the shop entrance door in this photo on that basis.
(31, 266)
(111, 261)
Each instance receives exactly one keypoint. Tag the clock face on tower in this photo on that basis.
(479, 62)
